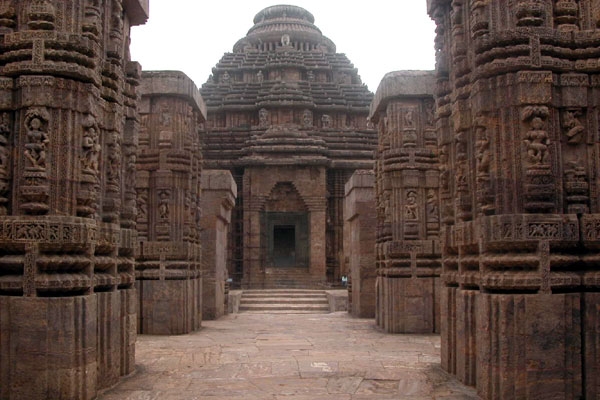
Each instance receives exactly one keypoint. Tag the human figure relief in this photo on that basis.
(163, 205)
(91, 150)
(35, 149)
(411, 211)
(537, 142)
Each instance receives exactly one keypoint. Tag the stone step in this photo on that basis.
(284, 301)
(285, 307)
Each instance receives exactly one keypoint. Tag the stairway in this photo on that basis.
(284, 301)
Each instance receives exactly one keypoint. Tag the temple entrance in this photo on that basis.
(287, 239)
(284, 245)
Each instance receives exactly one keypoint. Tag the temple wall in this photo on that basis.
(168, 270)
(407, 203)
(218, 199)
(68, 135)
(361, 224)
(517, 121)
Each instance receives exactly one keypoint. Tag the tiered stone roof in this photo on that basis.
(287, 67)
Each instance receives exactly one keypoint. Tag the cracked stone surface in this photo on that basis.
(281, 357)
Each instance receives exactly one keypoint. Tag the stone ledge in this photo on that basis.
(172, 83)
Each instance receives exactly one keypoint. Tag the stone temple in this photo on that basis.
(287, 115)
(462, 201)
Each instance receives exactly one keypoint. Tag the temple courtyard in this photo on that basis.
(289, 356)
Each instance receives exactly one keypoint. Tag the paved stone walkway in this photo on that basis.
(289, 357)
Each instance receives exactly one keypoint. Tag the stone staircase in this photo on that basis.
(290, 278)
(284, 301)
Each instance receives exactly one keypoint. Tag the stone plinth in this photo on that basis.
(360, 228)
(68, 135)
(518, 138)
(408, 217)
(218, 199)
(168, 274)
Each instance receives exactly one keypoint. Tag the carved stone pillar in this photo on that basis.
(66, 261)
(168, 272)
(408, 254)
(521, 133)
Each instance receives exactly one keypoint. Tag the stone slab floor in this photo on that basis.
(289, 357)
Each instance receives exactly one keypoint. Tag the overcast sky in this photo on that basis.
(378, 36)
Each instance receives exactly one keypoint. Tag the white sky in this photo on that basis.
(378, 36)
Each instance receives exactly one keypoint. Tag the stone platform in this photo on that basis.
(302, 357)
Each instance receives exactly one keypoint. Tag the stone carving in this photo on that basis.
(263, 118)
(536, 139)
(411, 211)
(260, 77)
(432, 206)
(36, 122)
(307, 119)
(91, 148)
(163, 205)
(574, 130)
(5, 165)
(326, 121)
(113, 174)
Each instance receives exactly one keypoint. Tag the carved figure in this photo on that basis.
(482, 147)
(263, 117)
(411, 211)
(163, 205)
(537, 142)
(91, 150)
(432, 206)
(35, 149)
(574, 127)
(225, 78)
(285, 40)
(307, 119)
(326, 121)
(260, 77)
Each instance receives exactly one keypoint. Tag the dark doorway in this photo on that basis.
(286, 239)
(284, 245)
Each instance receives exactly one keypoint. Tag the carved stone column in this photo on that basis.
(520, 133)
(168, 272)
(408, 215)
(66, 259)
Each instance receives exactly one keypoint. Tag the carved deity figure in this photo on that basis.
(260, 77)
(310, 76)
(4, 150)
(411, 211)
(225, 78)
(326, 121)
(142, 205)
(285, 40)
(35, 149)
(307, 119)
(409, 118)
(114, 160)
(163, 205)
(482, 148)
(574, 127)
(444, 171)
(263, 117)
(91, 150)
(537, 142)
(432, 206)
